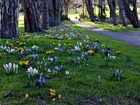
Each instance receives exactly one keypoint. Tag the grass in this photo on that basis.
(83, 82)
(111, 27)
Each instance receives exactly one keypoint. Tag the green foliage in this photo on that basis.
(108, 26)
(83, 81)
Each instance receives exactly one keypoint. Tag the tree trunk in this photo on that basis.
(130, 15)
(58, 11)
(51, 13)
(122, 13)
(9, 21)
(90, 9)
(45, 15)
(135, 9)
(112, 6)
(32, 21)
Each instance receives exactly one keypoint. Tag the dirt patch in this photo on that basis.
(111, 101)
(89, 101)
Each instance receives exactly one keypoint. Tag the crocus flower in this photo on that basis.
(90, 52)
(33, 56)
(0, 55)
(32, 71)
(67, 73)
(11, 68)
(26, 96)
(35, 47)
(87, 47)
(37, 84)
(57, 68)
(20, 57)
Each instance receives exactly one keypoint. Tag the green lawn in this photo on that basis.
(90, 76)
(111, 27)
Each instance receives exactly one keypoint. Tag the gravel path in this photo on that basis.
(132, 38)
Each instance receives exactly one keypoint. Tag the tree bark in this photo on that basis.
(9, 21)
(135, 9)
(32, 21)
(51, 13)
(90, 9)
(58, 11)
(45, 15)
(122, 13)
(131, 15)
(112, 6)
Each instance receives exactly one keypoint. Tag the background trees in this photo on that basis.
(89, 6)
(39, 15)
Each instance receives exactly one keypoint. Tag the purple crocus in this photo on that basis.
(19, 57)
(73, 60)
(87, 47)
(37, 84)
(78, 58)
(33, 56)
(57, 68)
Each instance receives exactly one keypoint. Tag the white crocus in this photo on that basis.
(11, 68)
(12, 51)
(67, 73)
(111, 57)
(32, 71)
(6, 68)
(34, 47)
(49, 71)
(15, 68)
(77, 48)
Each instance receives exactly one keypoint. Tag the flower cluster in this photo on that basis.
(41, 81)
(53, 95)
(19, 50)
(10, 45)
(24, 63)
(32, 71)
(11, 68)
(49, 52)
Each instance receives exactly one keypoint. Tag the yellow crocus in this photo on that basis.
(90, 51)
(26, 63)
(0, 55)
(26, 96)
(20, 63)
(59, 96)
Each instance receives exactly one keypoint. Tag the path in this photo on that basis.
(132, 38)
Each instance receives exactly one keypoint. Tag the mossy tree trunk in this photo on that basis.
(9, 20)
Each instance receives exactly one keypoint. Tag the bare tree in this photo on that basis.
(122, 13)
(90, 9)
(9, 21)
(32, 21)
(131, 15)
